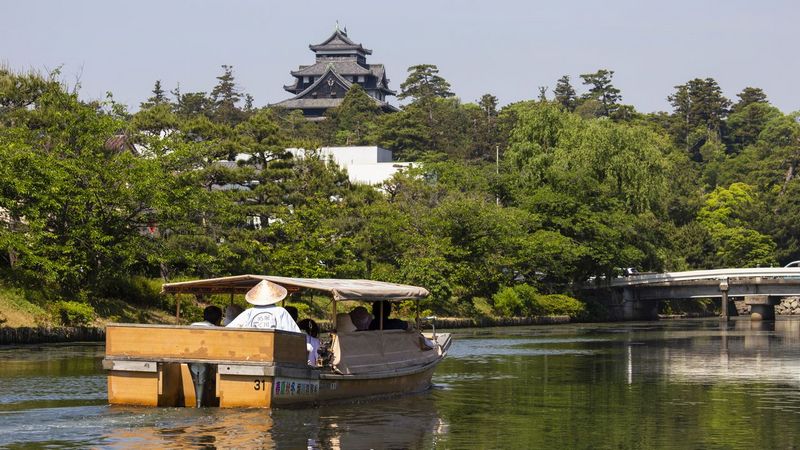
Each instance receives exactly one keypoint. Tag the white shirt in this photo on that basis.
(312, 345)
(265, 317)
(204, 323)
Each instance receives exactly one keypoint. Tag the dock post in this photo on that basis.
(723, 288)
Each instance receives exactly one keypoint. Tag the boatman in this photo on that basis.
(203, 373)
(264, 313)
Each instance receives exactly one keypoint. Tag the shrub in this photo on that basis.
(74, 314)
(524, 300)
(481, 306)
(135, 290)
(507, 302)
(561, 305)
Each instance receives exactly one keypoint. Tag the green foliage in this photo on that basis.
(536, 195)
(424, 83)
(353, 121)
(74, 314)
(602, 91)
(700, 110)
(565, 93)
(560, 305)
(728, 215)
(511, 302)
(524, 300)
(137, 290)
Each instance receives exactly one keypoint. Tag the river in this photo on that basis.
(669, 384)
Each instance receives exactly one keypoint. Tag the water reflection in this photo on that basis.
(408, 422)
(742, 350)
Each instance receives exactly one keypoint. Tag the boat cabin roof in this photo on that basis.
(339, 289)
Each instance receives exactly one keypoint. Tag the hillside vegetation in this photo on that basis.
(97, 204)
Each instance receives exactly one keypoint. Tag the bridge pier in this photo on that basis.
(634, 309)
(762, 307)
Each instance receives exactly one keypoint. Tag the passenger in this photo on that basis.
(231, 312)
(211, 317)
(202, 373)
(265, 314)
(344, 324)
(361, 318)
(388, 324)
(292, 312)
(310, 327)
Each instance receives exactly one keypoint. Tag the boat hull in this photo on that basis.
(149, 366)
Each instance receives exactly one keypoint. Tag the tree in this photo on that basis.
(748, 96)
(602, 90)
(745, 123)
(157, 98)
(485, 135)
(488, 104)
(352, 121)
(542, 93)
(81, 199)
(192, 104)
(424, 84)
(728, 215)
(406, 133)
(224, 98)
(565, 93)
(699, 111)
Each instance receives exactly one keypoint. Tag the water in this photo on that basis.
(672, 384)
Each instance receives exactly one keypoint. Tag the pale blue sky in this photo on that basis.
(507, 48)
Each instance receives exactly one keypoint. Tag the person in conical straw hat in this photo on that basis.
(265, 313)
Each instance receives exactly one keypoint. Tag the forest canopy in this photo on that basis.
(534, 196)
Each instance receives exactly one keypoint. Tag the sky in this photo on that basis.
(504, 47)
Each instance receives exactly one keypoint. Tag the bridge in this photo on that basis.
(636, 297)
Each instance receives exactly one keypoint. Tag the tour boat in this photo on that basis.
(148, 364)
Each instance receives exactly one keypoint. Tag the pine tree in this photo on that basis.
(748, 96)
(158, 97)
(543, 93)
(354, 117)
(565, 93)
(699, 112)
(602, 90)
(488, 104)
(225, 96)
(424, 83)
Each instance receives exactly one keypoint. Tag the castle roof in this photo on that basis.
(338, 42)
(303, 100)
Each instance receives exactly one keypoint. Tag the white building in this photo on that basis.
(364, 165)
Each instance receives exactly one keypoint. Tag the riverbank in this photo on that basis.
(50, 335)
(42, 335)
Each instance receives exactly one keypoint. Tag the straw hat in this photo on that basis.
(266, 293)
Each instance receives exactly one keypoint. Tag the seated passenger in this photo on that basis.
(231, 312)
(211, 317)
(388, 324)
(344, 324)
(310, 327)
(361, 318)
(265, 314)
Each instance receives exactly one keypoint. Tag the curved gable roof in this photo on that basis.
(329, 70)
(339, 41)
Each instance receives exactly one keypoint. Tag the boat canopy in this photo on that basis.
(339, 289)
